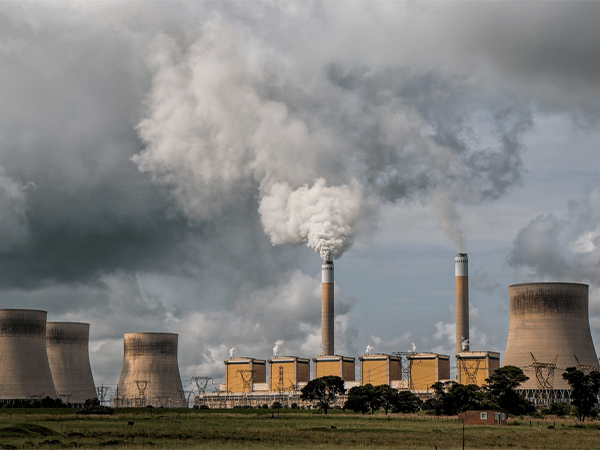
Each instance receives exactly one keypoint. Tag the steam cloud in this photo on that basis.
(227, 114)
(277, 346)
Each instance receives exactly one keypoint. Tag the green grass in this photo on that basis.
(286, 429)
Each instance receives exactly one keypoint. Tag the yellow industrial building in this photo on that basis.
(288, 373)
(475, 367)
(242, 374)
(380, 368)
(341, 366)
(426, 369)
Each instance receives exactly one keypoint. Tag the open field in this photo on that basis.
(257, 429)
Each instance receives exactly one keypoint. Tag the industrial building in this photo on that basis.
(549, 331)
(150, 373)
(340, 366)
(68, 356)
(379, 368)
(288, 373)
(24, 371)
(474, 367)
(425, 369)
(245, 375)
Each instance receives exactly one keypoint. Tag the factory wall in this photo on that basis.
(379, 369)
(427, 369)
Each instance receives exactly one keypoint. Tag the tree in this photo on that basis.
(385, 397)
(501, 390)
(360, 398)
(324, 390)
(407, 402)
(451, 397)
(584, 390)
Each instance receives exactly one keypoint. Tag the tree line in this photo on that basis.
(450, 397)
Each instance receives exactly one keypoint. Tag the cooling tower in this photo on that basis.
(549, 321)
(24, 369)
(67, 347)
(461, 295)
(150, 374)
(327, 313)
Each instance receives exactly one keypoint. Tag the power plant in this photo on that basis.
(549, 331)
(150, 373)
(24, 371)
(68, 355)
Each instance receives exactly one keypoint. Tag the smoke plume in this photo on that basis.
(277, 346)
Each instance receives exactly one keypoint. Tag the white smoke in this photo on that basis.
(277, 346)
(232, 351)
(464, 344)
(232, 119)
(369, 349)
(324, 217)
(414, 347)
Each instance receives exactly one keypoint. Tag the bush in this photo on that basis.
(276, 405)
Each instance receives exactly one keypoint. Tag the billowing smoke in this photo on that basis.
(232, 351)
(323, 217)
(369, 349)
(277, 346)
(230, 115)
(413, 347)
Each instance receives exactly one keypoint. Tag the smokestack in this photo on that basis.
(327, 313)
(461, 292)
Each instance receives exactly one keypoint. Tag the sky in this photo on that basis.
(183, 166)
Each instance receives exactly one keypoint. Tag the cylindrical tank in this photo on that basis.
(24, 369)
(550, 321)
(327, 308)
(150, 374)
(461, 296)
(68, 355)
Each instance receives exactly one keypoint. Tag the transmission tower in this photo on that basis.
(470, 370)
(406, 366)
(544, 381)
(142, 385)
(101, 392)
(246, 376)
(584, 368)
(202, 383)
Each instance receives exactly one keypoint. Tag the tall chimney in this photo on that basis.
(461, 292)
(327, 313)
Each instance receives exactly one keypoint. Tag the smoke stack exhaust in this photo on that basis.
(327, 313)
(461, 292)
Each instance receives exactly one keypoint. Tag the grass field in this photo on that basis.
(257, 429)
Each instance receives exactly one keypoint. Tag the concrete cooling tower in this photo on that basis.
(68, 355)
(150, 374)
(549, 331)
(24, 369)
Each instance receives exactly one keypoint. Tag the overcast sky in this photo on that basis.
(169, 166)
